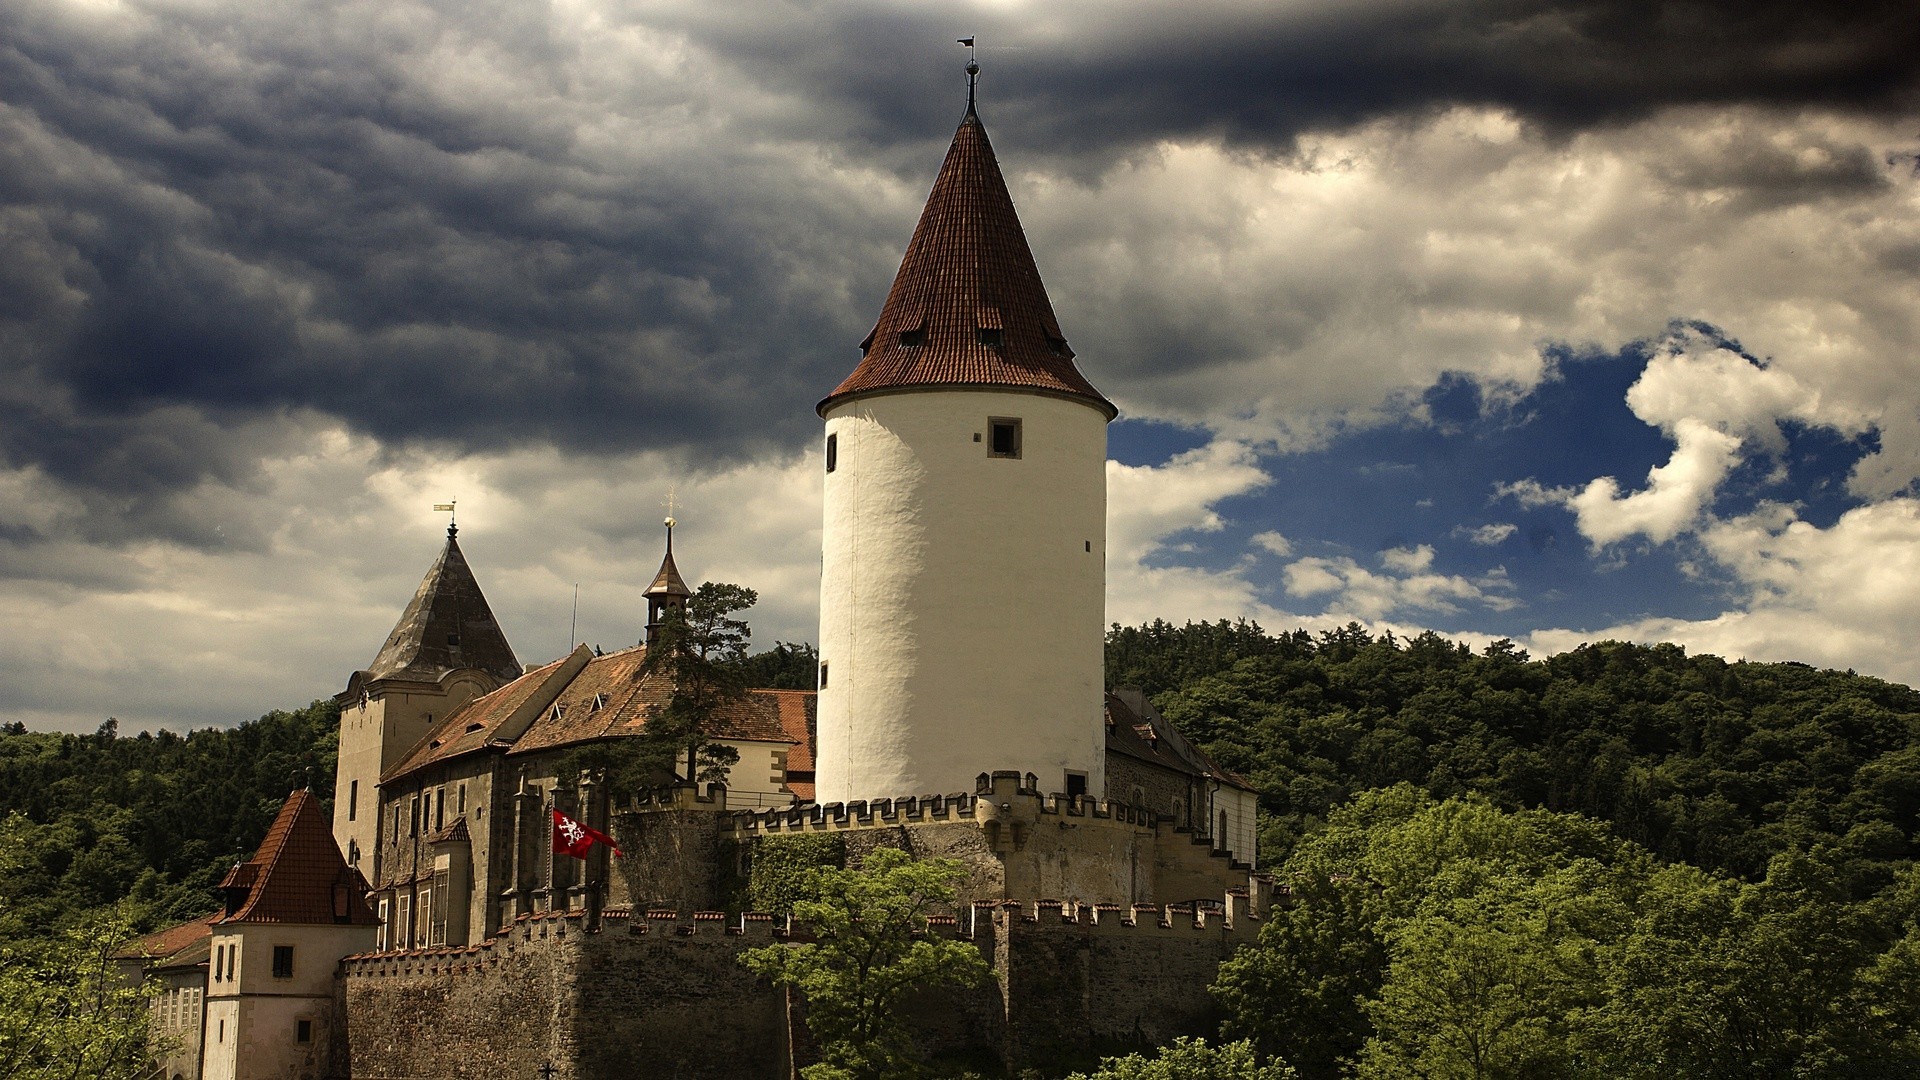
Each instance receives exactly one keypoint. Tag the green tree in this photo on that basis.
(703, 648)
(1191, 1059)
(786, 666)
(869, 952)
(66, 1011)
(783, 864)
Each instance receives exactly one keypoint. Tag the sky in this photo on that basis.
(1553, 320)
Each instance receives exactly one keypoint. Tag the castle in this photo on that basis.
(960, 712)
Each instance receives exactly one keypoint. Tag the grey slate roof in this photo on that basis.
(447, 625)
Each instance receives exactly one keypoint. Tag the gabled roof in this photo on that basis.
(968, 275)
(1137, 730)
(298, 876)
(446, 626)
(604, 697)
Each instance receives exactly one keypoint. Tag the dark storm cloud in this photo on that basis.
(1087, 76)
(210, 221)
(460, 225)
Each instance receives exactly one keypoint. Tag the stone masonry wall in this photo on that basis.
(665, 996)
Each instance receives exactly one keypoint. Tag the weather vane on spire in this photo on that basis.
(973, 69)
(670, 522)
(447, 507)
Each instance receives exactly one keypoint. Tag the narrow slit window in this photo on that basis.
(1003, 437)
(823, 674)
(833, 452)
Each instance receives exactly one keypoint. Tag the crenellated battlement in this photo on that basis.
(752, 929)
(1000, 797)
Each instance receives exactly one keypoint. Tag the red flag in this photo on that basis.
(572, 838)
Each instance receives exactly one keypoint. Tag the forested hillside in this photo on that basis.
(1718, 764)
(154, 818)
(1621, 861)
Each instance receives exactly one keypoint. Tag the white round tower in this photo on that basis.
(962, 600)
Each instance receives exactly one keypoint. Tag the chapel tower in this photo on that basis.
(962, 594)
(446, 650)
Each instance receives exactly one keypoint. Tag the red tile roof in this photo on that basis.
(298, 876)
(967, 270)
(609, 697)
(174, 941)
(797, 720)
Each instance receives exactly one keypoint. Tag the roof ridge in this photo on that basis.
(289, 810)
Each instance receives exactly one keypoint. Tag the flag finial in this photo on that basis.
(973, 71)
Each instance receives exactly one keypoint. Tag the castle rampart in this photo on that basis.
(658, 993)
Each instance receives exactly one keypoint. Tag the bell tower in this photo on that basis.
(962, 590)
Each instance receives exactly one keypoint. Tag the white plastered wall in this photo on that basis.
(253, 1017)
(962, 604)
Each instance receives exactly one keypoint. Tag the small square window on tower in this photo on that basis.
(1003, 437)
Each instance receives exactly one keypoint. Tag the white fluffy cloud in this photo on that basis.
(1847, 596)
(1286, 299)
(1404, 587)
(1718, 408)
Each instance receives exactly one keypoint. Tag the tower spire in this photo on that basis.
(669, 590)
(447, 625)
(967, 308)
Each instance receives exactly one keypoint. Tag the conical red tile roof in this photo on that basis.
(298, 876)
(968, 274)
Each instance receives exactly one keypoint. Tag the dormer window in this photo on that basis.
(599, 701)
(1058, 346)
(913, 330)
(559, 711)
(989, 330)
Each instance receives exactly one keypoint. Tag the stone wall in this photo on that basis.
(662, 995)
(1018, 842)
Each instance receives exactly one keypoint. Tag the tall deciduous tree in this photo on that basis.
(66, 1011)
(870, 951)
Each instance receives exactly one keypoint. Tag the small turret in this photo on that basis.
(668, 592)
